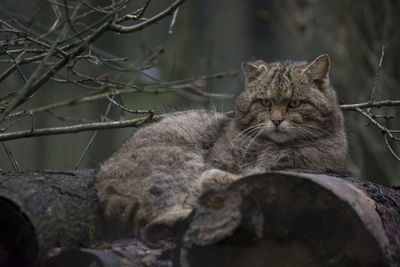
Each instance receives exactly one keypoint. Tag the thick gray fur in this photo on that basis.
(155, 178)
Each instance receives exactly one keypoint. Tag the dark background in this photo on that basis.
(213, 36)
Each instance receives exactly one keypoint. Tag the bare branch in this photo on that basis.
(79, 128)
(12, 68)
(134, 111)
(34, 83)
(372, 95)
(137, 27)
(377, 124)
(14, 163)
(385, 131)
(3, 129)
(69, 119)
(171, 26)
(72, 101)
(190, 84)
(390, 147)
(92, 138)
(373, 104)
(141, 12)
(37, 79)
(17, 66)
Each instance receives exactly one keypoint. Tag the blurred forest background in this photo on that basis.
(212, 37)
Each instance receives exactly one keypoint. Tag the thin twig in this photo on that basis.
(390, 147)
(14, 163)
(17, 66)
(185, 84)
(141, 13)
(72, 101)
(137, 27)
(13, 67)
(171, 26)
(81, 158)
(372, 95)
(36, 80)
(12, 123)
(374, 104)
(377, 124)
(69, 119)
(385, 131)
(134, 111)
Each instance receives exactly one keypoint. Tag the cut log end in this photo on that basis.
(280, 219)
(18, 244)
(42, 210)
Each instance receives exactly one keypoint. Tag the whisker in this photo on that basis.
(316, 128)
(243, 132)
(252, 140)
(310, 135)
(311, 132)
(249, 136)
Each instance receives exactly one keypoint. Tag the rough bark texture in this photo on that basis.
(387, 201)
(271, 219)
(127, 252)
(44, 210)
(292, 219)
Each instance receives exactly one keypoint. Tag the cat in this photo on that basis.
(287, 117)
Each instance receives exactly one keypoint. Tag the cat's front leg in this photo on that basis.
(164, 225)
(215, 177)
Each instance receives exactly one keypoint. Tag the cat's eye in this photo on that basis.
(294, 103)
(265, 102)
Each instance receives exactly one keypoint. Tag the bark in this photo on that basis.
(292, 219)
(127, 252)
(42, 210)
(271, 219)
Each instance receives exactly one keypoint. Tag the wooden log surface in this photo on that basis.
(124, 252)
(41, 210)
(292, 219)
(271, 219)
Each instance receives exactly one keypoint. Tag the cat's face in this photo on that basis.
(287, 101)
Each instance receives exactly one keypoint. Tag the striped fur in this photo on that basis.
(155, 178)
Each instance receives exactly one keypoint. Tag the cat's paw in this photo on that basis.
(164, 226)
(214, 177)
(115, 205)
(120, 207)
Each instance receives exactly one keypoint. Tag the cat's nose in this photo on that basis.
(276, 120)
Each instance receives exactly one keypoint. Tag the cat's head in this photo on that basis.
(285, 101)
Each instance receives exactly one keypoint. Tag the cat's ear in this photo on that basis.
(318, 69)
(252, 70)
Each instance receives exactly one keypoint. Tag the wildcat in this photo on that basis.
(287, 117)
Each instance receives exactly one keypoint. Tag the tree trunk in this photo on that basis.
(42, 210)
(293, 219)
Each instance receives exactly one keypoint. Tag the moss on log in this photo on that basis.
(42, 210)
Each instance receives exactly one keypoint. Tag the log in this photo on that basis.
(293, 219)
(271, 219)
(125, 252)
(42, 210)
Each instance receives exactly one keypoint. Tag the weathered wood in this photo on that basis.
(272, 219)
(44, 210)
(292, 219)
(127, 252)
